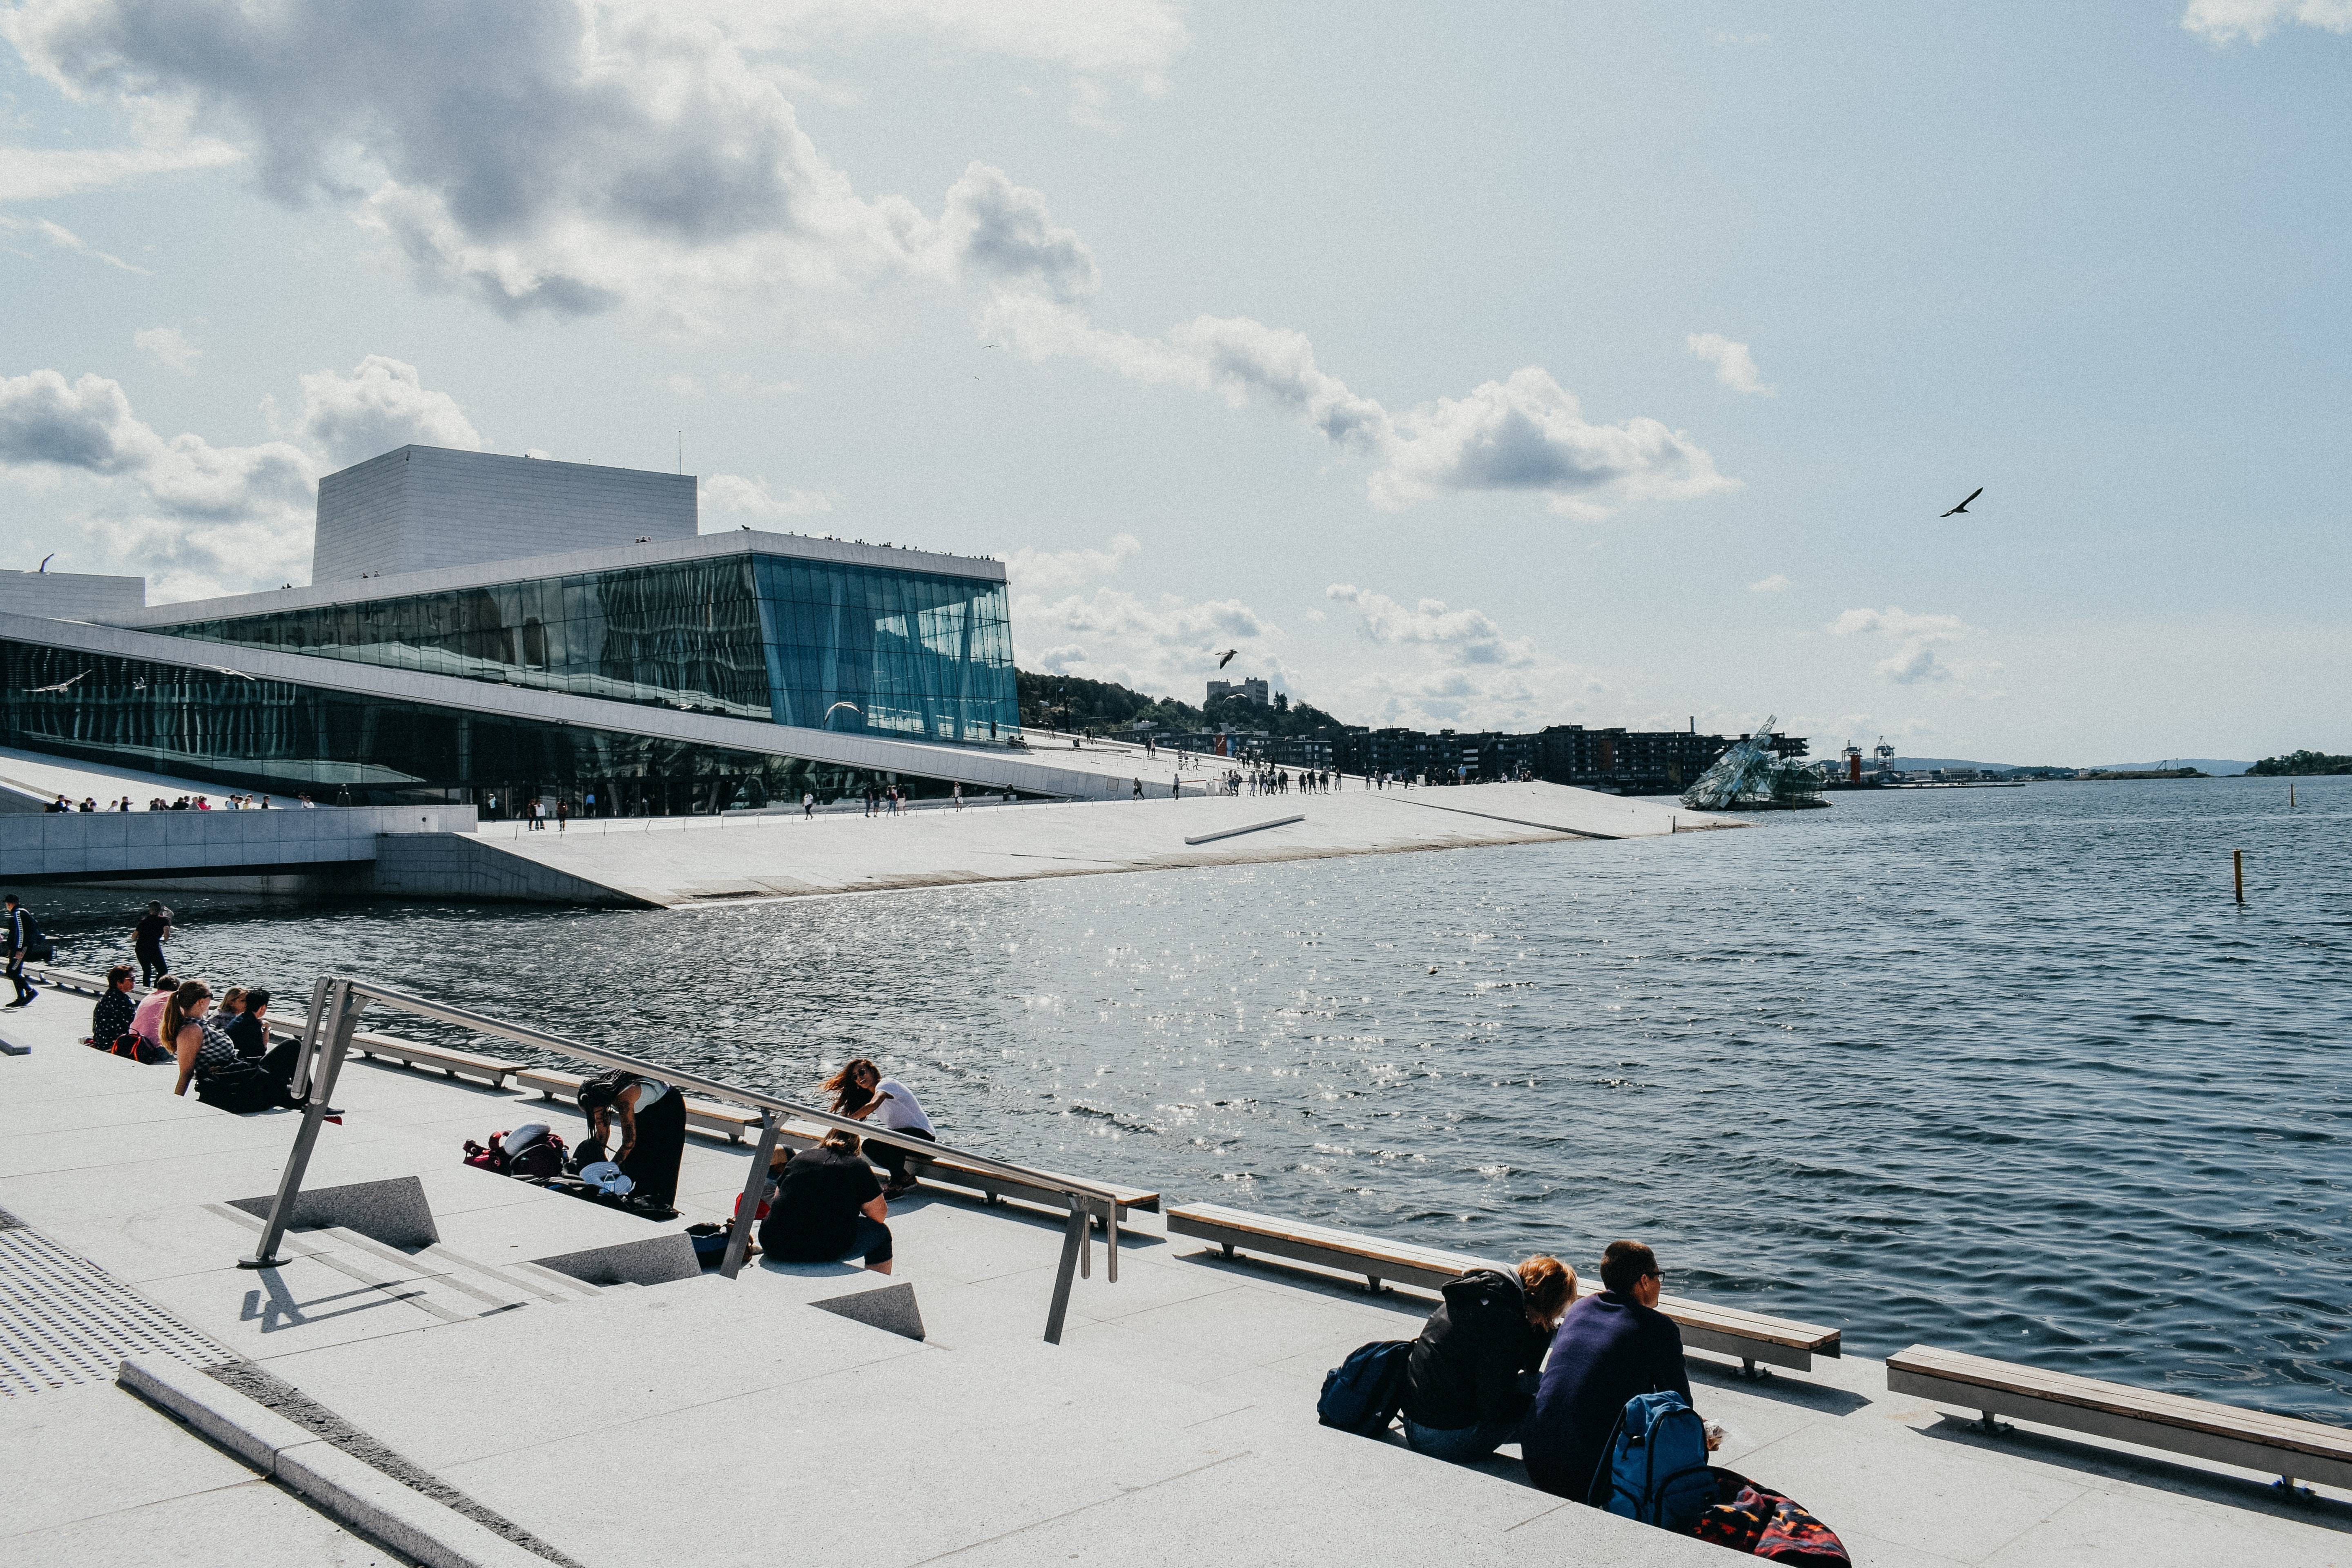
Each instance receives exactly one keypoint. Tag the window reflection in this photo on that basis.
(909, 654)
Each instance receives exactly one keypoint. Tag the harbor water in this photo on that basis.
(2006, 1070)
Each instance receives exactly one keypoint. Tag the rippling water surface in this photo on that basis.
(2005, 1070)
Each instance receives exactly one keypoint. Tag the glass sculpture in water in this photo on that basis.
(1752, 776)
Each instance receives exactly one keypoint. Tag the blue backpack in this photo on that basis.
(1656, 1469)
(1361, 1394)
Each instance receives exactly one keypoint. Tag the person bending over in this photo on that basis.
(1610, 1348)
(860, 1090)
(828, 1207)
(1472, 1376)
(653, 1129)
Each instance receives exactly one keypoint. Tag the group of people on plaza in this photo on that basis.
(181, 803)
(1277, 781)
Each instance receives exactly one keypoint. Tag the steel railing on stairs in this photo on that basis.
(336, 1003)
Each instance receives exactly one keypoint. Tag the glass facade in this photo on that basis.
(283, 739)
(907, 654)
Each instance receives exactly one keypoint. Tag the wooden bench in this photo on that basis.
(948, 1171)
(1749, 1337)
(702, 1115)
(452, 1063)
(2298, 1451)
(952, 1172)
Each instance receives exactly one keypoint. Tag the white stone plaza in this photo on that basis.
(709, 1422)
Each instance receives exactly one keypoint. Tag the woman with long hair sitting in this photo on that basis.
(859, 1090)
(223, 1079)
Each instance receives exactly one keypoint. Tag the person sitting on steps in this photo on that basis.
(1610, 1348)
(828, 1207)
(1472, 1376)
(860, 1090)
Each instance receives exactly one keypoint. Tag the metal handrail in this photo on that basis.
(333, 1016)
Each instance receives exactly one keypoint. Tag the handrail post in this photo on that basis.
(755, 1183)
(345, 1010)
(310, 1022)
(1074, 1241)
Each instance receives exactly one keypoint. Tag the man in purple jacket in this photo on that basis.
(1610, 1348)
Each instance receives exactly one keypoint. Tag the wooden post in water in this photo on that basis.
(2238, 868)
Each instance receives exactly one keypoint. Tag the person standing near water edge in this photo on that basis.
(147, 938)
(23, 931)
(860, 1090)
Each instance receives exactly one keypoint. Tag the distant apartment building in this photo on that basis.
(1624, 762)
(1252, 689)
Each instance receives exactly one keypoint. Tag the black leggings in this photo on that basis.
(894, 1159)
(661, 1145)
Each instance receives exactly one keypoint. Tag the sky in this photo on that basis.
(1490, 366)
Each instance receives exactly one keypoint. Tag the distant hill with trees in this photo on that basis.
(2301, 765)
(1104, 706)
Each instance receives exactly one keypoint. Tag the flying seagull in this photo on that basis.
(1964, 505)
(1228, 657)
(226, 671)
(62, 685)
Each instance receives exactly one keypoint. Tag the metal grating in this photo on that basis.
(65, 1320)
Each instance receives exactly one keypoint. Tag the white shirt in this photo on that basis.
(899, 1109)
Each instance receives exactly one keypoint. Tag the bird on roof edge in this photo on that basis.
(1228, 657)
(1964, 505)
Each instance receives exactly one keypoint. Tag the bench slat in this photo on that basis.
(2087, 1404)
(416, 1053)
(1723, 1330)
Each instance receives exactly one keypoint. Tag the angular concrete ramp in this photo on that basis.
(676, 861)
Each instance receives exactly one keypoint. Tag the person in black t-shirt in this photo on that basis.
(828, 1206)
(154, 930)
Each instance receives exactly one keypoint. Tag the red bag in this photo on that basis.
(1748, 1517)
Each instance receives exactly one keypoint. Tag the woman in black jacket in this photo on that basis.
(1472, 1375)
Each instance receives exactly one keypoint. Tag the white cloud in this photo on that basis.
(199, 516)
(382, 404)
(575, 156)
(683, 386)
(1915, 637)
(1455, 668)
(1735, 367)
(200, 519)
(1067, 619)
(64, 238)
(45, 174)
(1775, 584)
(1526, 433)
(569, 155)
(2225, 21)
(1130, 41)
(1036, 573)
(734, 496)
(169, 347)
(1461, 637)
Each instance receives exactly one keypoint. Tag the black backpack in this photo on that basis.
(1362, 1394)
